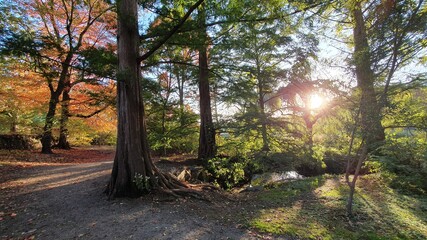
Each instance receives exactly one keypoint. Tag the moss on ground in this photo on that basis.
(314, 208)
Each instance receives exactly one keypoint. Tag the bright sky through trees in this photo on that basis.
(316, 101)
(300, 81)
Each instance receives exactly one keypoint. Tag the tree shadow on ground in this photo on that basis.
(315, 208)
(73, 206)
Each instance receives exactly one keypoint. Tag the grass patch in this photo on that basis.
(314, 208)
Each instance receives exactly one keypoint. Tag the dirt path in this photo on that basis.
(66, 202)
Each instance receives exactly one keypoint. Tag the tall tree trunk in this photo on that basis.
(131, 159)
(372, 130)
(133, 170)
(207, 145)
(65, 112)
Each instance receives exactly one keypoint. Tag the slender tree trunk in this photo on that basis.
(310, 138)
(215, 102)
(47, 129)
(13, 123)
(265, 144)
(352, 183)
(261, 104)
(207, 145)
(369, 109)
(63, 122)
(181, 81)
(53, 102)
(164, 129)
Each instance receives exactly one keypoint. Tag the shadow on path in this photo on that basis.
(66, 202)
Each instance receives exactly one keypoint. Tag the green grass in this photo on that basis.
(314, 208)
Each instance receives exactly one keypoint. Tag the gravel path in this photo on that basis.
(66, 202)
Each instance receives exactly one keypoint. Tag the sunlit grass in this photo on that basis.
(314, 208)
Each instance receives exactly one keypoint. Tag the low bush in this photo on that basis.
(103, 138)
(404, 164)
(229, 172)
(16, 141)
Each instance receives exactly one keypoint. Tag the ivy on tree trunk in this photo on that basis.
(372, 130)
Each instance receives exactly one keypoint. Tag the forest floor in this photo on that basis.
(60, 196)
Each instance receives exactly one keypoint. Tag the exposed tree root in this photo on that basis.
(170, 185)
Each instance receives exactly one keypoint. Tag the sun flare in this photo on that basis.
(316, 101)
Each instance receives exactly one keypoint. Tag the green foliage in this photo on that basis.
(314, 208)
(404, 156)
(310, 166)
(101, 61)
(103, 138)
(229, 172)
(239, 143)
(305, 161)
(276, 162)
(142, 182)
(177, 133)
(405, 163)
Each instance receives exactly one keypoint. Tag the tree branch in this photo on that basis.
(241, 20)
(89, 115)
(170, 33)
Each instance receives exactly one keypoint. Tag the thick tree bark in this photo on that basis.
(372, 130)
(131, 159)
(63, 122)
(207, 145)
(133, 170)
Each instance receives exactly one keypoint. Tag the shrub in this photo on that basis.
(276, 162)
(310, 167)
(103, 138)
(16, 141)
(335, 163)
(404, 163)
(229, 172)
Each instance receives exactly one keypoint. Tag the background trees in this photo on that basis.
(232, 78)
(379, 51)
(57, 32)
